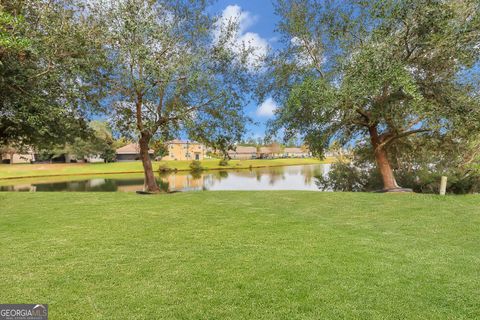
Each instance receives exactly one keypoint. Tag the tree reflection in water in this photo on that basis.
(275, 178)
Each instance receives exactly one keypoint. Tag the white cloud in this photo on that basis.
(267, 108)
(254, 40)
(243, 18)
(242, 39)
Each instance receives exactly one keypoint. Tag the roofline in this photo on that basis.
(127, 152)
(183, 142)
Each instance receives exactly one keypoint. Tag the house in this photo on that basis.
(185, 150)
(94, 158)
(13, 157)
(269, 152)
(131, 152)
(243, 153)
(264, 152)
(296, 153)
(67, 158)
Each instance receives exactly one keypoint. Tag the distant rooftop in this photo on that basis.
(294, 150)
(243, 149)
(178, 141)
(265, 150)
(132, 148)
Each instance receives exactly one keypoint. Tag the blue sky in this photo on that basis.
(257, 24)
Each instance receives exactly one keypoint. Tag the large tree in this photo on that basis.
(173, 72)
(377, 72)
(48, 58)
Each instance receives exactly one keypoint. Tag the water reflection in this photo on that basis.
(276, 178)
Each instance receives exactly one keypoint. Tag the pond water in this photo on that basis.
(275, 178)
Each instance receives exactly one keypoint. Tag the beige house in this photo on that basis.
(243, 153)
(12, 158)
(185, 150)
(130, 152)
(268, 152)
(271, 151)
(296, 153)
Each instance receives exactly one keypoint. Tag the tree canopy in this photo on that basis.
(171, 72)
(48, 59)
(377, 72)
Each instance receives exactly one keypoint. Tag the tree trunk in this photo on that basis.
(381, 157)
(150, 182)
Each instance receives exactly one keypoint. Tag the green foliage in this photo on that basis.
(120, 142)
(416, 164)
(222, 144)
(165, 168)
(212, 154)
(166, 76)
(350, 177)
(11, 39)
(223, 163)
(397, 67)
(196, 166)
(160, 148)
(98, 141)
(108, 154)
(48, 62)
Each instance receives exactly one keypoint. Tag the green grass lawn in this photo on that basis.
(32, 170)
(242, 255)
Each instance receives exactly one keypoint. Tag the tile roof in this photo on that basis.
(132, 148)
(178, 141)
(243, 149)
(265, 150)
(294, 150)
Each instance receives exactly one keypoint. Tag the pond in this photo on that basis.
(274, 178)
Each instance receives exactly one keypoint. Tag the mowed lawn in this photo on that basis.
(242, 255)
(35, 170)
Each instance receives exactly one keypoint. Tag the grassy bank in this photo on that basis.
(35, 170)
(242, 255)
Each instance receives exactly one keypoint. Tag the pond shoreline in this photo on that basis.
(299, 177)
(227, 168)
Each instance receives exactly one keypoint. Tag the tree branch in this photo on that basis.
(38, 75)
(317, 64)
(138, 111)
(193, 108)
(364, 114)
(390, 138)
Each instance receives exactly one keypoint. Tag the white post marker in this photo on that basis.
(443, 186)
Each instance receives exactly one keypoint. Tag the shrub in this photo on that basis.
(164, 168)
(363, 176)
(223, 163)
(196, 165)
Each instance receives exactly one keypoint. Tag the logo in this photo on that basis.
(23, 311)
